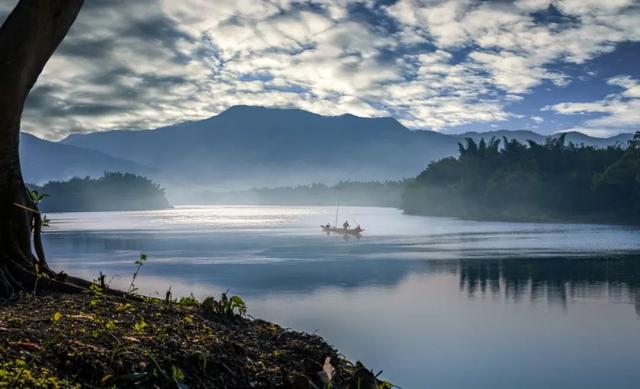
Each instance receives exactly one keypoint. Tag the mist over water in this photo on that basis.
(435, 302)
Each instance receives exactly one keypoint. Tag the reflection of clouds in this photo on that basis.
(250, 278)
(542, 262)
(381, 298)
(554, 280)
(156, 286)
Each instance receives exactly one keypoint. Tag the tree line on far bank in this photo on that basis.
(111, 192)
(349, 193)
(509, 180)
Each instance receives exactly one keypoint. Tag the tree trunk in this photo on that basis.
(28, 38)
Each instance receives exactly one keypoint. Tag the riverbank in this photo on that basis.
(97, 340)
(537, 217)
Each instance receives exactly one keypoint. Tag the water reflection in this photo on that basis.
(555, 280)
(265, 265)
(421, 298)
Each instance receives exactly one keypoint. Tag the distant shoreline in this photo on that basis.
(541, 220)
(113, 191)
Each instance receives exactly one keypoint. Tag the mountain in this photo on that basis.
(574, 137)
(43, 161)
(579, 138)
(255, 146)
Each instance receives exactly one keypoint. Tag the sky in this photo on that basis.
(447, 66)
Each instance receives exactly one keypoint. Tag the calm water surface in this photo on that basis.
(434, 302)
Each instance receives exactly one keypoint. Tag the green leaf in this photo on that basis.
(177, 373)
(140, 326)
(56, 317)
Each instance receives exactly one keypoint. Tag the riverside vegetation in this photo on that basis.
(510, 180)
(104, 338)
(113, 191)
(357, 193)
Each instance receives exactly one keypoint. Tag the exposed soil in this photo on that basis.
(97, 340)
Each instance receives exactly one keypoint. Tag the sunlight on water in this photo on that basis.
(415, 296)
(184, 218)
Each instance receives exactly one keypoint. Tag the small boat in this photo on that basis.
(344, 231)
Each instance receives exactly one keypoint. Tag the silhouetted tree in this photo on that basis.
(546, 181)
(111, 192)
(28, 38)
(620, 182)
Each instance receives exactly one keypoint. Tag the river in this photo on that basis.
(433, 302)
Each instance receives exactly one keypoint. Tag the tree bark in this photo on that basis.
(28, 38)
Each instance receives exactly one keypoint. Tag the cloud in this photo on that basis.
(432, 64)
(537, 119)
(616, 112)
(631, 87)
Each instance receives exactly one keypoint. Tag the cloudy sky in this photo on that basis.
(449, 66)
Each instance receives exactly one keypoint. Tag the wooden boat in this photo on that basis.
(344, 231)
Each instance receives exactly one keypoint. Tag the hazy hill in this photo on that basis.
(44, 161)
(263, 147)
(254, 146)
(582, 139)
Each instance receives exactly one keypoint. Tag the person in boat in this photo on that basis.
(327, 226)
(358, 229)
(346, 225)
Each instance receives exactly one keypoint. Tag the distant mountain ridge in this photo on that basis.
(247, 146)
(254, 146)
(44, 161)
(574, 137)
